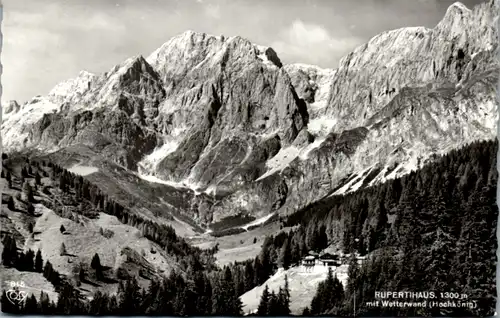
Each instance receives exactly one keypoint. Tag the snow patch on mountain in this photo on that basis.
(183, 184)
(154, 179)
(83, 170)
(280, 161)
(304, 153)
(321, 126)
(151, 161)
(354, 183)
(258, 221)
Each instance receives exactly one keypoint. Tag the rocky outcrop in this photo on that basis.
(224, 94)
(12, 106)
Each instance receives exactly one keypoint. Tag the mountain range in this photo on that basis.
(228, 131)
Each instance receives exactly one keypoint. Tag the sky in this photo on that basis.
(49, 41)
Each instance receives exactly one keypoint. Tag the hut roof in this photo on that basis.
(329, 256)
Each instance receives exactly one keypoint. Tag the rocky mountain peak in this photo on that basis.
(200, 50)
(11, 106)
(71, 90)
(456, 8)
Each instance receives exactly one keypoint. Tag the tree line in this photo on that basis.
(176, 295)
(431, 230)
(23, 261)
(275, 304)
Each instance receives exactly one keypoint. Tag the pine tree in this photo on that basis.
(306, 312)
(68, 301)
(273, 308)
(31, 209)
(8, 177)
(96, 262)
(249, 276)
(44, 304)
(62, 183)
(130, 297)
(234, 305)
(322, 240)
(285, 255)
(50, 274)
(62, 229)
(8, 306)
(38, 262)
(28, 191)
(62, 250)
(329, 295)
(352, 273)
(10, 204)
(113, 306)
(98, 304)
(24, 173)
(31, 305)
(47, 270)
(96, 265)
(9, 253)
(29, 262)
(265, 260)
(257, 266)
(264, 302)
(284, 299)
(38, 179)
(201, 292)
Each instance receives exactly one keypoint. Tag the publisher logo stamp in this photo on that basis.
(15, 294)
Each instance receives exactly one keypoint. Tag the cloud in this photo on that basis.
(53, 17)
(47, 43)
(312, 43)
(213, 11)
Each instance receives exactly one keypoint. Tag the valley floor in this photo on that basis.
(238, 247)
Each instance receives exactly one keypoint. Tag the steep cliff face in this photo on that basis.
(224, 116)
(459, 46)
(221, 95)
(391, 106)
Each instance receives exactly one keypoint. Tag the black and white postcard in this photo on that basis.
(249, 158)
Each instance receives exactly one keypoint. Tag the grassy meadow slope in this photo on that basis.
(121, 248)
